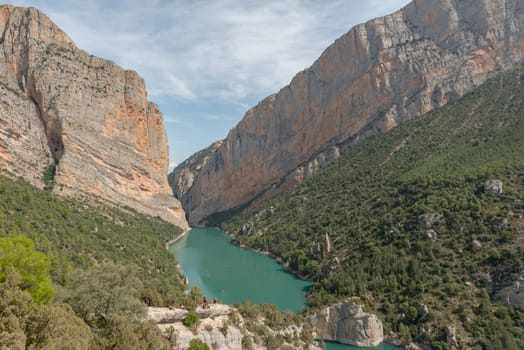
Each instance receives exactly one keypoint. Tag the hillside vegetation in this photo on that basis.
(409, 223)
(76, 235)
(105, 265)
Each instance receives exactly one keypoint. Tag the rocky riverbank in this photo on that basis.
(222, 327)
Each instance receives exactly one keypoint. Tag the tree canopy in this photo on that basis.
(18, 255)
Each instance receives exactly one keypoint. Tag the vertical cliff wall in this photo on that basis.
(379, 74)
(82, 120)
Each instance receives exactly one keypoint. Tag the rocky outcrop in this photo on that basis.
(221, 327)
(493, 187)
(451, 336)
(82, 120)
(346, 323)
(376, 76)
(514, 293)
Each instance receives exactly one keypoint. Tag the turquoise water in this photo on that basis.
(233, 274)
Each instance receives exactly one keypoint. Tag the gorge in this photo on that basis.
(389, 174)
(371, 79)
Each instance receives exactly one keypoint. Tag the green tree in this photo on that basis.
(19, 255)
(16, 306)
(106, 290)
(118, 335)
(58, 328)
(25, 324)
(121, 335)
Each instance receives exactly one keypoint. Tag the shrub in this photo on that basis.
(191, 319)
(197, 344)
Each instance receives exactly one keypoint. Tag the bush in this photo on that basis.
(197, 344)
(191, 319)
(109, 289)
(25, 324)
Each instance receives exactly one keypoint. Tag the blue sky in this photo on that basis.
(207, 62)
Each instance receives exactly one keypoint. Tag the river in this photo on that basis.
(233, 274)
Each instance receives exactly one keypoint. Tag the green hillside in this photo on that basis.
(376, 203)
(105, 265)
(76, 235)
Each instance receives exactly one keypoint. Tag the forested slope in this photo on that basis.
(78, 276)
(402, 222)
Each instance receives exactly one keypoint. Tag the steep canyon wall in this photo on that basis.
(376, 76)
(83, 121)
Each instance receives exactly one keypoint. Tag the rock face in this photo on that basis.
(493, 187)
(376, 76)
(83, 120)
(346, 323)
(513, 294)
(221, 327)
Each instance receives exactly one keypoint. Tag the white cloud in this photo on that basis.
(175, 120)
(209, 58)
(228, 49)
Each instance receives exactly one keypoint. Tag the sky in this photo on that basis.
(206, 62)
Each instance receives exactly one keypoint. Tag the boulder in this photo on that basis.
(514, 293)
(427, 220)
(476, 245)
(432, 235)
(422, 310)
(166, 315)
(451, 336)
(346, 323)
(493, 187)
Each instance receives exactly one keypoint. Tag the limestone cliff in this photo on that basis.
(379, 74)
(346, 323)
(82, 120)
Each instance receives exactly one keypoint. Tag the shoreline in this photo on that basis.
(168, 243)
(271, 255)
(388, 339)
(277, 258)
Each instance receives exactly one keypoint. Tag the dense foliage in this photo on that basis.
(25, 324)
(18, 255)
(75, 235)
(409, 224)
(105, 264)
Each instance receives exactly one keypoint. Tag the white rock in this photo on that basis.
(346, 323)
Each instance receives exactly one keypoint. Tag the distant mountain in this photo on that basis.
(424, 225)
(78, 124)
(371, 79)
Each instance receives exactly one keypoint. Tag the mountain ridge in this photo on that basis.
(377, 75)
